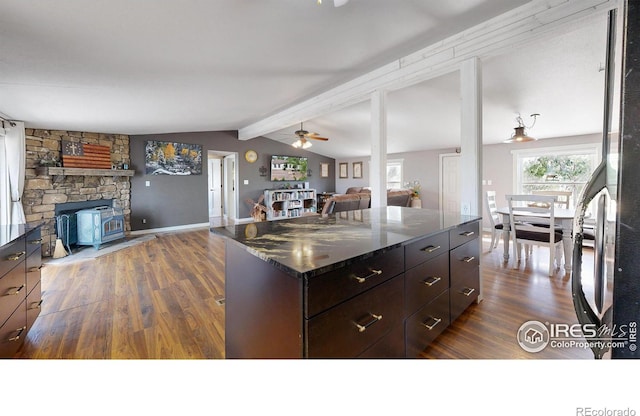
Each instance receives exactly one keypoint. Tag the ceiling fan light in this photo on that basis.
(306, 145)
(297, 144)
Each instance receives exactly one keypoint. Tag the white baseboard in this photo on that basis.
(167, 229)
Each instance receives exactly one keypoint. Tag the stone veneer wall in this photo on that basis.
(42, 192)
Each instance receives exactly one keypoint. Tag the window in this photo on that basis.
(5, 196)
(394, 174)
(564, 168)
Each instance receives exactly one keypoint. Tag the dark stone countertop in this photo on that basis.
(311, 245)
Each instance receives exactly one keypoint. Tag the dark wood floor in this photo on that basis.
(158, 300)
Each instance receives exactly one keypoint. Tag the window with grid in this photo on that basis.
(562, 168)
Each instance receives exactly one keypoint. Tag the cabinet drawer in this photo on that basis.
(424, 282)
(34, 240)
(464, 233)
(348, 329)
(464, 261)
(329, 289)
(390, 346)
(424, 326)
(34, 264)
(34, 303)
(463, 295)
(426, 249)
(12, 291)
(11, 255)
(12, 333)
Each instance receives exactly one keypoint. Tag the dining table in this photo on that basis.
(562, 216)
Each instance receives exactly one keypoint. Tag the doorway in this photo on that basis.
(449, 182)
(221, 187)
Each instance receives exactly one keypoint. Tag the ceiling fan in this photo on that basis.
(336, 3)
(303, 137)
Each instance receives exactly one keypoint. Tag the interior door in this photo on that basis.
(450, 182)
(229, 175)
(215, 187)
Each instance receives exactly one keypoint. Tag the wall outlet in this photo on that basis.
(144, 220)
(147, 183)
(466, 209)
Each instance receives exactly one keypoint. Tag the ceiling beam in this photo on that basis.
(493, 37)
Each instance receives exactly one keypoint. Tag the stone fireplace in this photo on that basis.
(45, 188)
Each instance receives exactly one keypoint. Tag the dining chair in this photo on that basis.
(563, 200)
(532, 222)
(494, 218)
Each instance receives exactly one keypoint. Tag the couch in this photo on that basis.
(361, 200)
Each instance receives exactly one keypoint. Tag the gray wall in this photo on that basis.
(498, 165)
(183, 200)
(423, 166)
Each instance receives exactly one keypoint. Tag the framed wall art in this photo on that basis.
(324, 170)
(357, 170)
(169, 158)
(344, 170)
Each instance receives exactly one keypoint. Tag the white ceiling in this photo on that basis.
(148, 66)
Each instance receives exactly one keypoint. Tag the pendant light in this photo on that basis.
(519, 135)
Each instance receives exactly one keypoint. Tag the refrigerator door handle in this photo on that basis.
(585, 313)
(598, 255)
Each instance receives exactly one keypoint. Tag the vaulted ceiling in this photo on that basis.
(159, 67)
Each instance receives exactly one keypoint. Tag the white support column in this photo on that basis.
(378, 168)
(471, 137)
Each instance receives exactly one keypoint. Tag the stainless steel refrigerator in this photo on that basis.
(607, 303)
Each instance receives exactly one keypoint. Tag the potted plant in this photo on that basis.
(414, 187)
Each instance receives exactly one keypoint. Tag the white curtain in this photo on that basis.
(5, 194)
(14, 145)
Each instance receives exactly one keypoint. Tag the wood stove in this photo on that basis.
(99, 225)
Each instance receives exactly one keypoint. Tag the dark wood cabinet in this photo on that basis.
(388, 303)
(20, 294)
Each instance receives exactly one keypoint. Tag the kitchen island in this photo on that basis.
(380, 282)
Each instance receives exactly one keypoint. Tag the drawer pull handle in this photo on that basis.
(468, 233)
(35, 269)
(435, 321)
(36, 305)
(431, 249)
(469, 259)
(430, 281)
(18, 335)
(364, 279)
(17, 290)
(38, 241)
(468, 291)
(16, 256)
(362, 328)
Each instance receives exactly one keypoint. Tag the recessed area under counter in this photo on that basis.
(336, 286)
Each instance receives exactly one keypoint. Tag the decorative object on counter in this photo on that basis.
(168, 158)
(344, 170)
(258, 211)
(357, 170)
(324, 170)
(263, 171)
(414, 187)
